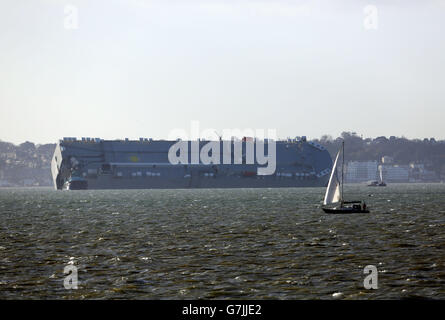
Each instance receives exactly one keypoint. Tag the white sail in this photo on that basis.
(333, 190)
(381, 174)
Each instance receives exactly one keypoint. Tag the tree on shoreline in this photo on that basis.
(404, 151)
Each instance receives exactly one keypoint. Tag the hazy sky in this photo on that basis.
(140, 68)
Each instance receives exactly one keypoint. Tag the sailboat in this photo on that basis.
(382, 183)
(333, 200)
(377, 183)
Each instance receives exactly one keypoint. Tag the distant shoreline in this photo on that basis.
(364, 184)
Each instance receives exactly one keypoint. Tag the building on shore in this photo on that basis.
(395, 173)
(361, 171)
(366, 171)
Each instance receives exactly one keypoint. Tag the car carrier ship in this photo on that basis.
(93, 163)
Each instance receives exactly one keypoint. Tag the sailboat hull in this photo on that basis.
(344, 210)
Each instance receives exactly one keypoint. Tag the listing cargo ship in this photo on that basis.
(93, 163)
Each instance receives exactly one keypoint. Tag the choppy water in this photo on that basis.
(217, 244)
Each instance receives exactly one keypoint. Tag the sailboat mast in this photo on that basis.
(342, 169)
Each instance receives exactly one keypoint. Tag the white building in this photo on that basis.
(357, 171)
(387, 159)
(395, 173)
(29, 182)
(4, 183)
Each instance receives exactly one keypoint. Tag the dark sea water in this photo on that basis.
(221, 244)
